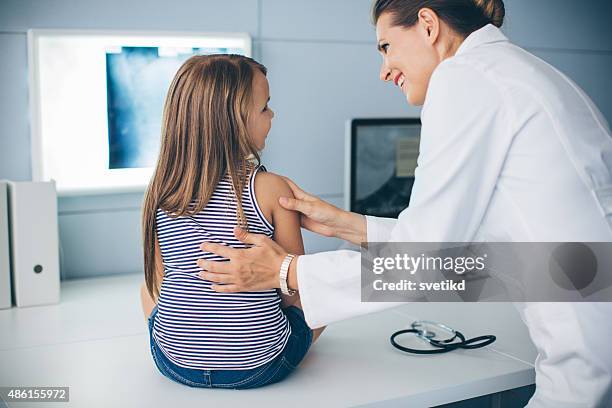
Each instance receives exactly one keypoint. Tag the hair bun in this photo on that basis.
(493, 10)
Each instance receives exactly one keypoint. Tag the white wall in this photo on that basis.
(323, 69)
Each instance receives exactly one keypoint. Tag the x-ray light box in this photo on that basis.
(97, 99)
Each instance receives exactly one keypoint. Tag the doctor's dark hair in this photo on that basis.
(204, 135)
(463, 16)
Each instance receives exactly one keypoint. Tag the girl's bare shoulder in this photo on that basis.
(268, 188)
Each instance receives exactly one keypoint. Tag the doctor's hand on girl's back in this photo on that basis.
(258, 267)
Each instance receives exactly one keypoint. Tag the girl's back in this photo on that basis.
(197, 327)
(215, 123)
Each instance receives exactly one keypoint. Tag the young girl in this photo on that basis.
(216, 119)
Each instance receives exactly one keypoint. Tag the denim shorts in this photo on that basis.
(271, 372)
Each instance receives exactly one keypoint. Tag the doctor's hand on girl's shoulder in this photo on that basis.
(254, 268)
(324, 218)
(258, 267)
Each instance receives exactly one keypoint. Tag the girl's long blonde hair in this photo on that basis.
(203, 136)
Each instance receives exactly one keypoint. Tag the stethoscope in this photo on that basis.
(453, 341)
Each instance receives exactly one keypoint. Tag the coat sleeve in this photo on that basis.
(465, 137)
(379, 228)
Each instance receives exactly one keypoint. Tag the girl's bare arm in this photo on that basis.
(287, 231)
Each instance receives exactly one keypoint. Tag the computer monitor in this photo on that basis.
(381, 157)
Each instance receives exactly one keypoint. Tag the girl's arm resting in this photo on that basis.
(159, 268)
(287, 232)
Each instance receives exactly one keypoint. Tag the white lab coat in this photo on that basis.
(511, 150)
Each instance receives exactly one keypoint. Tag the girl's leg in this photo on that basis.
(147, 303)
(294, 300)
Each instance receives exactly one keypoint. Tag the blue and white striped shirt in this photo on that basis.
(196, 327)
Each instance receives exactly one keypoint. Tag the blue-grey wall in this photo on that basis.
(323, 69)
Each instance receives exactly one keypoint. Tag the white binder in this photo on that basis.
(5, 266)
(34, 243)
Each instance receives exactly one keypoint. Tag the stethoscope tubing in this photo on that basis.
(443, 346)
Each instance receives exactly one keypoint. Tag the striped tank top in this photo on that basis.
(196, 327)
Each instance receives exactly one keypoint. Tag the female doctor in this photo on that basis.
(511, 150)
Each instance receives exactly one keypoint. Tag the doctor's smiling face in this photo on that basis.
(410, 54)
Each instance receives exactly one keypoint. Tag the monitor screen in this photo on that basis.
(97, 99)
(381, 160)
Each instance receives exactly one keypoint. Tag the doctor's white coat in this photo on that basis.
(511, 150)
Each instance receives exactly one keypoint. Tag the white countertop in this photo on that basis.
(96, 342)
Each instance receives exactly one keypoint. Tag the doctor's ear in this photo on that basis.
(430, 22)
